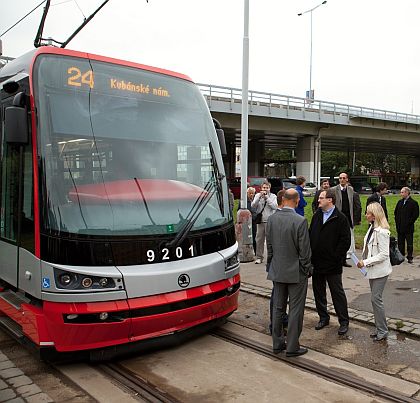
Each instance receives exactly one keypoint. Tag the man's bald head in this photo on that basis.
(291, 198)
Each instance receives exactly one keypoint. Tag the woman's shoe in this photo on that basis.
(376, 338)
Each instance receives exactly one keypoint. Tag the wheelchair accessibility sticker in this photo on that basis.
(46, 282)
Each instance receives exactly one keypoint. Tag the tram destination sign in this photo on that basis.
(77, 77)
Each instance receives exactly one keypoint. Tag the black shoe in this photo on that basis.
(345, 264)
(410, 261)
(301, 351)
(279, 350)
(321, 324)
(343, 329)
(373, 335)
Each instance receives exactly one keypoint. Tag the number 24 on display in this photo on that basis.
(165, 251)
(79, 78)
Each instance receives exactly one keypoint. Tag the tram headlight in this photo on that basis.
(87, 282)
(65, 279)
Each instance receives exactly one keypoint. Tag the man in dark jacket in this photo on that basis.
(330, 239)
(406, 213)
(348, 202)
(325, 185)
(379, 197)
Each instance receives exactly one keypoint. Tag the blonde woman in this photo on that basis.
(375, 257)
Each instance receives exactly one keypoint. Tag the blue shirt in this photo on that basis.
(327, 214)
(300, 209)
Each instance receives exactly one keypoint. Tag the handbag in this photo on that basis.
(258, 217)
(395, 256)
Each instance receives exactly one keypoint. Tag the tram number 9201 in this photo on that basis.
(165, 254)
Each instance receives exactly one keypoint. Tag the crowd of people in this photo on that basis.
(296, 252)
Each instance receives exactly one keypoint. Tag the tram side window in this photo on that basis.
(10, 193)
(27, 225)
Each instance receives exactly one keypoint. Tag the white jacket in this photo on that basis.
(375, 254)
(270, 203)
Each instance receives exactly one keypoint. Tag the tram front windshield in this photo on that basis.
(124, 151)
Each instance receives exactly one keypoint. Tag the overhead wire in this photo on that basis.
(39, 5)
(30, 12)
(80, 9)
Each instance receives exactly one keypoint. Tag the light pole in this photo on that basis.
(243, 227)
(310, 93)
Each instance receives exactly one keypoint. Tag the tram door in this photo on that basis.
(9, 180)
(16, 204)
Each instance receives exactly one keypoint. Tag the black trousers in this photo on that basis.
(335, 284)
(402, 239)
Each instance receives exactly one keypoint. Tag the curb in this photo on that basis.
(396, 324)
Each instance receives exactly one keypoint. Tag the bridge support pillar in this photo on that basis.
(255, 157)
(305, 158)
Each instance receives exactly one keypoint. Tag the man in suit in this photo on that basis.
(330, 239)
(379, 197)
(325, 185)
(289, 266)
(406, 213)
(348, 202)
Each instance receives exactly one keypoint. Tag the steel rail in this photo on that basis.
(143, 388)
(338, 377)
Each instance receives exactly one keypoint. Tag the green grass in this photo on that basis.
(360, 230)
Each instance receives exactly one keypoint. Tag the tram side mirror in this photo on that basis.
(16, 125)
(220, 136)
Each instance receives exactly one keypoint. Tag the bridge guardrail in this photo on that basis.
(234, 95)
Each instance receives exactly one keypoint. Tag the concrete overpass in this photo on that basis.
(281, 121)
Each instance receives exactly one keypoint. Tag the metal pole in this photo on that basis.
(310, 65)
(310, 97)
(243, 227)
(244, 120)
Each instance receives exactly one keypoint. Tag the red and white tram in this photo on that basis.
(115, 227)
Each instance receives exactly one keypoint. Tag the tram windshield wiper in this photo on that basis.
(214, 185)
(219, 177)
(195, 212)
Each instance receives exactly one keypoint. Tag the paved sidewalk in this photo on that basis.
(401, 295)
(16, 387)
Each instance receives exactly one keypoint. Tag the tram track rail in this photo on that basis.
(303, 364)
(141, 387)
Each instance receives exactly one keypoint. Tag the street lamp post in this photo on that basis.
(310, 93)
(243, 225)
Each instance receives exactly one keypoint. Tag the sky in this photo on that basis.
(365, 52)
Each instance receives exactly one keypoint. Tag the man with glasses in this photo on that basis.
(325, 185)
(348, 202)
(330, 239)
